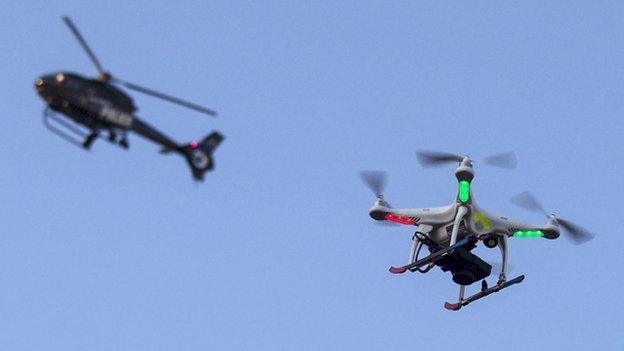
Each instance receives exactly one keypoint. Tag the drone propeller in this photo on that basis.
(433, 158)
(428, 158)
(375, 181)
(506, 160)
(577, 233)
(106, 76)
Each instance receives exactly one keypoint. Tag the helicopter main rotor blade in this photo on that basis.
(527, 201)
(506, 160)
(165, 97)
(577, 233)
(83, 43)
(428, 158)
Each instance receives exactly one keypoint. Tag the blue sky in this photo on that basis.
(121, 250)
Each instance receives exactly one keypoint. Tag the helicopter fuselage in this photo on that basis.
(91, 102)
(96, 105)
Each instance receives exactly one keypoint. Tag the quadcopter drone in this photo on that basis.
(451, 232)
(75, 103)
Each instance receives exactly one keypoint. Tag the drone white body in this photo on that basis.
(444, 227)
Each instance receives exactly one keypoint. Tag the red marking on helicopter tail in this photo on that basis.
(193, 145)
(399, 219)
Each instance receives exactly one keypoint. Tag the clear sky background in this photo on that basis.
(121, 250)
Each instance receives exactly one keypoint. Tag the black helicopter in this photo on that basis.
(100, 107)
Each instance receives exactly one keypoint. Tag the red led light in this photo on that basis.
(193, 145)
(399, 219)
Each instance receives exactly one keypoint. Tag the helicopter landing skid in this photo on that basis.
(483, 293)
(434, 257)
(71, 133)
(77, 136)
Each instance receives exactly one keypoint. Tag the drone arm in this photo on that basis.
(510, 227)
(431, 216)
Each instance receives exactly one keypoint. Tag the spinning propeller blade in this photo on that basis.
(375, 181)
(428, 158)
(527, 201)
(165, 97)
(105, 76)
(505, 160)
(84, 45)
(576, 233)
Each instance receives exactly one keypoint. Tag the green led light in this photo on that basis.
(464, 191)
(528, 234)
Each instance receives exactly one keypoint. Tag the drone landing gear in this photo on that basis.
(434, 257)
(485, 291)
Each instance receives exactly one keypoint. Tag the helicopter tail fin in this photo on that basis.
(199, 154)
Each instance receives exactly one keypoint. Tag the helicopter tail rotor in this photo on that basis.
(576, 233)
(428, 158)
(199, 154)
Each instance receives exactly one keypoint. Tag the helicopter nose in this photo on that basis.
(39, 84)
